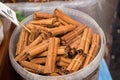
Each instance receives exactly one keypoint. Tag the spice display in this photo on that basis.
(57, 44)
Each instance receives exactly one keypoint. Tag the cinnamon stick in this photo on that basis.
(81, 47)
(18, 57)
(20, 42)
(97, 47)
(38, 60)
(36, 41)
(72, 53)
(24, 54)
(32, 66)
(42, 28)
(32, 35)
(89, 55)
(88, 41)
(61, 51)
(26, 39)
(71, 35)
(69, 68)
(51, 57)
(41, 15)
(38, 48)
(65, 17)
(78, 63)
(62, 29)
(64, 62)
(45, 22)
(63, 22)
(56, 45)
(55, 24)
(41, 60)
(73, 40)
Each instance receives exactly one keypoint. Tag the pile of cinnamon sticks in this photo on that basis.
(57, 44)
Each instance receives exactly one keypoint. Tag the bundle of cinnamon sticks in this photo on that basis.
(57, 44)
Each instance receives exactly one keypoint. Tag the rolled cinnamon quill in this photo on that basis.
(41, 15)
(64, 62)
(62, 29)
(21, 56)
(89, 55)
(61, 51)
(71, 35)
(36, 41)
(63, 22)
(32, 66)
(65, 17)
(72, 53)
(73, 40)
(81, 47)
(96, 50)
(43, 21)
(52, 53)
(38, 60)
(78, 63)
(41, 60)
(38, 48)
(69, 68)
(20, 43)
(42, 28)
(88, 41)
(55, 24)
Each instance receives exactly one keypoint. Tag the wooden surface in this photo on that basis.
(6, 70)
(4, 45)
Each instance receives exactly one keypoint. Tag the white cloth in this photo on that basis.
(1, 32)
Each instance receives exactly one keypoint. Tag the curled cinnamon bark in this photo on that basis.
(45, 22)
(62, 29)
(69, 68)
(21, 41)
(92, 48)
(88, 41)
(81, 47)
(40, 15)
(32, 66)
(63, 22)
(61, 51)
(71, 35)
(52, 53)
(65, 17)
(37, 49)
(38, 60)
(96, 50)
